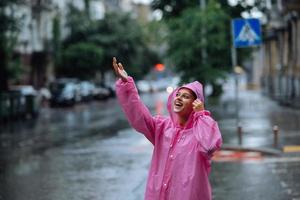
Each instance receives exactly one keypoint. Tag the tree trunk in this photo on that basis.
(38, 69)
(3, 71)
(217, 90)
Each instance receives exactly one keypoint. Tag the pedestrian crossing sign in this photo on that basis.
(246, 32)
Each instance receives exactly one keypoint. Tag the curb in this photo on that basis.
(265, 151)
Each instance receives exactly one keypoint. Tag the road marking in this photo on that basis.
(283, 184)
(236, 156)
(291, 148)
(282, 160)
(250, 157)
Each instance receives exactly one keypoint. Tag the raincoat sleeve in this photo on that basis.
(136, 112)
(207, 133)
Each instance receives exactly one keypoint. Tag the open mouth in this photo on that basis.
(178, 104)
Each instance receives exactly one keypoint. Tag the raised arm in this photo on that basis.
(136, 112)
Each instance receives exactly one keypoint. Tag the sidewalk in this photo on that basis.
(258, 115)
(255, 169)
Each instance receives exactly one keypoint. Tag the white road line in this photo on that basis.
(283, 184)
(282, 159)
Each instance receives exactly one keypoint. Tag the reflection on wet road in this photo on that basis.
(90, 151)
(81, 153)
(86, 169)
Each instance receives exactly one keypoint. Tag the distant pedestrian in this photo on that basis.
(183, 142)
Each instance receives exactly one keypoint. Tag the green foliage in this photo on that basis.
(56, 40)
(173, 8)
(123, 37)
(81, 60)
(77, 21)
(120, 36)
(193, 29)
(155, 34)
(186, 44)
(8, 31)
(15, 69)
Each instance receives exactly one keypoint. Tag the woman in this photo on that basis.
(183, 142)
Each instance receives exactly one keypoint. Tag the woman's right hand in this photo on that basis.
(119, 70)
(198, 105)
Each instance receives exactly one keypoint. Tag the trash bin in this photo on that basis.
(15, 109)
(31, 105)
(23, 101)
(4, 106)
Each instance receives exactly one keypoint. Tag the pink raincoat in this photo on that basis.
(180, 163)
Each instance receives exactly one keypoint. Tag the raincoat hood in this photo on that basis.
(195, 86)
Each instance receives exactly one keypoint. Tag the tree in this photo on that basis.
(187, 23)
(78, 21)
(186, 44)
(173, 8)
(81, 60)
(56, 40)
(122, 36)
(119, 35)
(8, 32)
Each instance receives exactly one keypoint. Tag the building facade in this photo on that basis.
(36, 33)
(280, 53)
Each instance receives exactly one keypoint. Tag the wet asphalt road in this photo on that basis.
(85, 152)
(90, 152)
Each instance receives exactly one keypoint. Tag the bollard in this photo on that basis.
(275, 132)
(239, 132)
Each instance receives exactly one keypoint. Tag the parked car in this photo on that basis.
(143, 86)
(64, 92)
(86, 90)
(45, 95)
(101, 92)
(24, 101)
(108, 86)
(162, 84)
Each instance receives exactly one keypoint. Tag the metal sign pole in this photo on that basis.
(236, 86)
(236, 80)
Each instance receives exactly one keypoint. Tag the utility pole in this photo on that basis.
(236, 83)
(202, 4)
(236, 80)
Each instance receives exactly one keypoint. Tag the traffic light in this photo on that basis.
(159, 67)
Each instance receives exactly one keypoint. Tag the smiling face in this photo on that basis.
(183, 102)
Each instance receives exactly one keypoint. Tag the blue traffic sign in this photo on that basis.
(246, 32)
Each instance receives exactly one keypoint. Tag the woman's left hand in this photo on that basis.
(198, 105)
